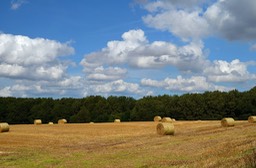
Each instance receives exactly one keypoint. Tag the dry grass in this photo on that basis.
(133, 144)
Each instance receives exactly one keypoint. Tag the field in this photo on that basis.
(127, 144)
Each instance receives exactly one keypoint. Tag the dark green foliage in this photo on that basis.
(205, 106)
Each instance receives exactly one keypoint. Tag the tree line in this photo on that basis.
(192, 106)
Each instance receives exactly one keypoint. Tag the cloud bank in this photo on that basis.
(134, 65)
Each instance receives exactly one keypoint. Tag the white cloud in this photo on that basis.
(180, 23)
(110, 73)
(67, 86)
(23, 57)
(230, 19)
(5, 92)
(223, 71)
(192, 84)
(71, 82)
(114, 87)
(233, 19)
(15, 4)
(116, 52)
(18, 90)
(136, 51)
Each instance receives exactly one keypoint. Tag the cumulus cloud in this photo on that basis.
(67, 86)
(114, 87)
(223, 71)
(230, 19)
(23, 57)
(192, 84)
(135, 51)
(108, 68)
(110, 73)
(5, 92)
(233, 19)
(15, 90)
(183, 24)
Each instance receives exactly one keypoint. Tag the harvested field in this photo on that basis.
(128, 144)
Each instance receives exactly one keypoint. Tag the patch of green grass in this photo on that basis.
(29, 158)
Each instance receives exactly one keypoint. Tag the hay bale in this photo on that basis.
(4, 127)
(157, 119)
(91, 123)
(37, 122)
(252, 119)
(50, 123)
(165, 129)
(62, 121)
(228, 122)
(173, 120)
(167, 119)
(117, 121)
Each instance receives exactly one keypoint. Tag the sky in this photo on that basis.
(135, 48)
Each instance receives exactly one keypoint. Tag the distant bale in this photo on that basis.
(50, 123)
(157, 119)
(173, 120)
(252, 119)
(62, 121)
(37, 122)
(117, 121)
(165, 129)
(4, 127)
(167, 119)
(228, 122)
(91, 122)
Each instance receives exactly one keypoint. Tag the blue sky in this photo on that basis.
(64, 48)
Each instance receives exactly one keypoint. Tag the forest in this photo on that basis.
(212, 105)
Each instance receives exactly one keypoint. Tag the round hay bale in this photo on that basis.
(117, 121)
(228, 122)
(252, 119)
(50, 123)
(165, 129)
(173, 120)
(62, 121)
(167, 119)
(4, 127)
(37, 122)
(157, 119)
(91, 123)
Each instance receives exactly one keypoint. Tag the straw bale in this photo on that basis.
(165, 128)
(4, 127)
(157, 119)
(117, 121)
(50, 123)
(62, 121)
(37, 122)
(228, 122)
(252, 119)
(167, 119)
